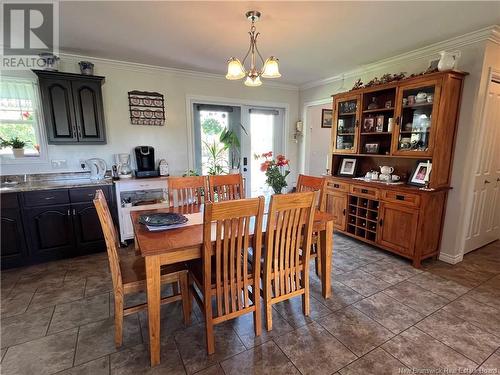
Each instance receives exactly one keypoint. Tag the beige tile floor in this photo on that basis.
(384, 317)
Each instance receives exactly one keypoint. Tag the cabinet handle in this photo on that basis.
(336, 186)
(49, 198)
(343, 212)
(364, 191)
(69, 212)
(397, 120)
(487, 182)
(381, 222)
(357, 123)
(74, 212)
(400, 197)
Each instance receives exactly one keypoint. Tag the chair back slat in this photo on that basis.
(288, 234)
(226, 187)
(312, 183)
(186, 192)
(110, 237)
(235, 223)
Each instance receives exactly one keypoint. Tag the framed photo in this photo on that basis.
(369, 125)
(372, 148)
(421, 172)
(348, 167)
(326, 118)
(379, 126)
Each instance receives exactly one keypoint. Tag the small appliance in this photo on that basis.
(163, 168)
(123, 165)
(145, 158)
(97, 168)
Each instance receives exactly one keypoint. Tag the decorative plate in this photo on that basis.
(162, 219)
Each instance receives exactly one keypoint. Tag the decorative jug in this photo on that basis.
(448, 60)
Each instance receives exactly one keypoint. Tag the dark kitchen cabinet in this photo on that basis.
(72, 107)
(44, 225)
(88, 233)
(50, 232)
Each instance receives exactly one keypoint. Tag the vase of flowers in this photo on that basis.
(276, 171)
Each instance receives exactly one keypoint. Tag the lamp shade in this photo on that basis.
(271, 68)
(234, 69)
(253, 82)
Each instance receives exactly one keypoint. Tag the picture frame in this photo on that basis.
(368, 125)
(379, 123)
(418, 176)
(326, 118)
(348, 167)
(372, 148)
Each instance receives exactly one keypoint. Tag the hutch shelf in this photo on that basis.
(397, 124)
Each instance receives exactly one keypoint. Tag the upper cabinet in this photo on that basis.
(417, 110)
(346, 124)
(72, 107)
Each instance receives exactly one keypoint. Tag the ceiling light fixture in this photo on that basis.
(236, 68)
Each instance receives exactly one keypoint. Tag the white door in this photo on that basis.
(484, 222)
(264, 132)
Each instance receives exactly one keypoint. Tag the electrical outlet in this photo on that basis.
(59, 163)
(83, 165)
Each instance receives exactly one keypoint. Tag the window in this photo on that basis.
(19, 117)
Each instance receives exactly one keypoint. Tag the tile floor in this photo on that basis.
(384, 317)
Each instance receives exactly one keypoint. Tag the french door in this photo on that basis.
(264, 129)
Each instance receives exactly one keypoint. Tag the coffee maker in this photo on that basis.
(145, 158)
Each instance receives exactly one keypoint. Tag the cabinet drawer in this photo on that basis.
(45, 197)
(9, 200)
(407, 199)
(86, 194)
(363, 191)
(337, 186)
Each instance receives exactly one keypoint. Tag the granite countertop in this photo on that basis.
(14, 184)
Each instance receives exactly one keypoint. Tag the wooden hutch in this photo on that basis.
(398, 217)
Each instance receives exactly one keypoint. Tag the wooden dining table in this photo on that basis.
(185, 243)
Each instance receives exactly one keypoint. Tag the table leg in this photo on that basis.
(326, 238)
(153, 288)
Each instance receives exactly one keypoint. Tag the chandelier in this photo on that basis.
(236, 68)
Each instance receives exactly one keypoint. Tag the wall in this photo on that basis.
(170, 141)
(477, 51)
(316, 159)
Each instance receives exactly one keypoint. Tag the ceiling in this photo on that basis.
(313, 40)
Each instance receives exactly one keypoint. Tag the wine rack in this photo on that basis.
(362, 217)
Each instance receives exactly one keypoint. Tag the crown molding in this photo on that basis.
(146, 68)
(490, 33)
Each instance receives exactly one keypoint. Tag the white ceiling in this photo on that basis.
(313, 40)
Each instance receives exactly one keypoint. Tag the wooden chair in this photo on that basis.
(129, 273)
(186, 193)
(226, 187)
(289, 231)
(316, 184)
(225, 273)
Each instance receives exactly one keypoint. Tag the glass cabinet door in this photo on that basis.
(417, 111)
(345, 127)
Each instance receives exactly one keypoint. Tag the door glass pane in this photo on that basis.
(416, 119)
(214, 158)
(261, 141)
(346, 125)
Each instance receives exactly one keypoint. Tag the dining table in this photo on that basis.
(185, 243)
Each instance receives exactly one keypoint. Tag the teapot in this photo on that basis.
(386, 170)
(374, 175)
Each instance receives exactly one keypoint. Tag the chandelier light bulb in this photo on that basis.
(235, 69)
(271, 68)
(253, 82)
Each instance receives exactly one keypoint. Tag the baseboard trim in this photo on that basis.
(451, 259)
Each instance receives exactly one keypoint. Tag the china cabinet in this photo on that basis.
(398, 124)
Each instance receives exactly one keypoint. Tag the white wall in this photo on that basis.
(320, 140)
(475, 54)
(170, 141)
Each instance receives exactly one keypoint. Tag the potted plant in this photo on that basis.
(215, 162)
(231, 142)
(16, 144)
(276, 171)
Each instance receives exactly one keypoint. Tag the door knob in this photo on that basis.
(487, 182)
(498, 179)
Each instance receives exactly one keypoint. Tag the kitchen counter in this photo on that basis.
(49, 181)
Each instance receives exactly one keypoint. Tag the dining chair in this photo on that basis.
(226, 187)
(226, 272)
(288, 233)
(316, 184)
(128, 273)
(186, 193)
